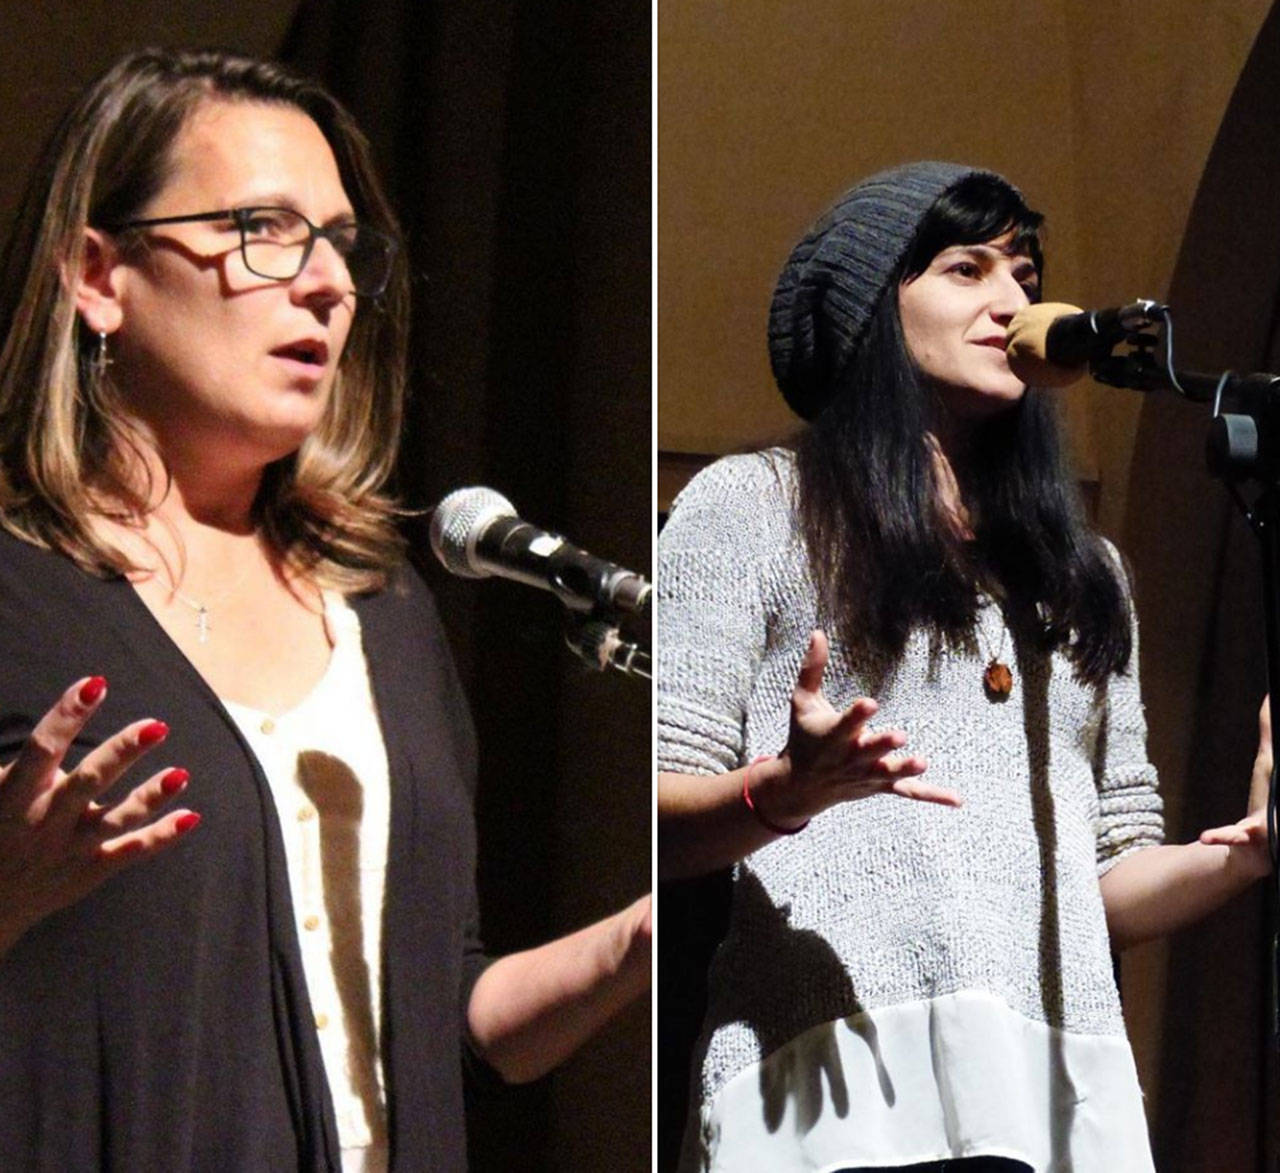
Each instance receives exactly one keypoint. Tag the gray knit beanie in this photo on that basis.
(836, 275)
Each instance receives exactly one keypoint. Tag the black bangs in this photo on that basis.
(977, 209)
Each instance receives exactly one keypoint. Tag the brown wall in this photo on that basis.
(1103, 114)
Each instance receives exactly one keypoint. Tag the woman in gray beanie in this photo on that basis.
(910, 983)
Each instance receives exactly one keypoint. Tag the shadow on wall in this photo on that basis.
(1198, 585)
(515, 140)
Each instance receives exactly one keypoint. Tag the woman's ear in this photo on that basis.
(96, 286)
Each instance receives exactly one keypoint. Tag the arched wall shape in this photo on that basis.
(1198, 582)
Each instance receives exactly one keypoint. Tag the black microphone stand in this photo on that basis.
(1242, 448)
(598, 642)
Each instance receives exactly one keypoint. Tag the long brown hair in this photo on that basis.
(65, 429)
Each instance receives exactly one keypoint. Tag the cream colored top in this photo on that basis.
(326, 764)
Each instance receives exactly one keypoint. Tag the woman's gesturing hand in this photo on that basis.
(57, 843)
(1250, 833)
(833, 757)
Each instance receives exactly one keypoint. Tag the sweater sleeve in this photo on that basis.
(712, 559)
(1130, 813)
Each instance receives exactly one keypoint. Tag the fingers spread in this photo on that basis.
(906, 787)
(1229, 836)
(34, 769)
(137, 807)
(149, 840)
(99, 769)
(1248, 830)
(855, 717)
(814, 664)
(899, 766)
(866, 746)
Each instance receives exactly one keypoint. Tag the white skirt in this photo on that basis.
(955, 1076)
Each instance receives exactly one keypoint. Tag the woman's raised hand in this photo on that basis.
(833, 757)
(57, 843)
(1249, 835)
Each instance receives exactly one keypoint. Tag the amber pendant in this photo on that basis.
(997, 681)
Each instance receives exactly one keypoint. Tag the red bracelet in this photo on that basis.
(761, 817)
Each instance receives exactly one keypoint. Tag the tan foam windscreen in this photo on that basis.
(1024, 344)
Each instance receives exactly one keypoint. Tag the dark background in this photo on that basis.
(514, 138)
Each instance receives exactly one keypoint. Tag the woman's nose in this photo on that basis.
(1008, 297)
(324, 277)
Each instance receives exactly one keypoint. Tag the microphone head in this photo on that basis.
(457, 523)
(1025, 346)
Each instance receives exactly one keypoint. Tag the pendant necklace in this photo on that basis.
(202, 616)
(997, 678)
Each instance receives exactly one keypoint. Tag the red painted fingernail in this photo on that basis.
(174, 781)
(153, 734)
(187, 822)
(92, 689)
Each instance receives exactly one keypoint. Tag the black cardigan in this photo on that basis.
(163, 1022)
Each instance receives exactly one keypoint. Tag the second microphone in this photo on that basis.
(475, 532)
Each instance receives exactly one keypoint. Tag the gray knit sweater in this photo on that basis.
(885, 901)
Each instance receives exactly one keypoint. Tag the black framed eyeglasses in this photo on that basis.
(276, 243)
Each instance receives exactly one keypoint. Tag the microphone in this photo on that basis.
(1051, 344)
(475, 533)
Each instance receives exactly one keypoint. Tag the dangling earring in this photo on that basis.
(101, 359)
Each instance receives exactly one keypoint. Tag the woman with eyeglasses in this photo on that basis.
(259, 950)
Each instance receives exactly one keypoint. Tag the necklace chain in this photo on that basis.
(204, 611)
(202, 616)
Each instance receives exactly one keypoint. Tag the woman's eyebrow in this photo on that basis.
(279, 199)
(990, 252)
(979, 252)
(265, 199)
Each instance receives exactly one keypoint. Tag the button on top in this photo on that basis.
(268, 725)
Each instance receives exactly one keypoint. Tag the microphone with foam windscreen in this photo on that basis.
(476, 533)
(1051, 344)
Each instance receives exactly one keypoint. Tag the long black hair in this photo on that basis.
(885, 556)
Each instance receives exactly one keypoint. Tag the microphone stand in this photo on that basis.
(1242, 446)
(598, 643)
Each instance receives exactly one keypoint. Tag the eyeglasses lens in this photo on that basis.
(276, 240)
